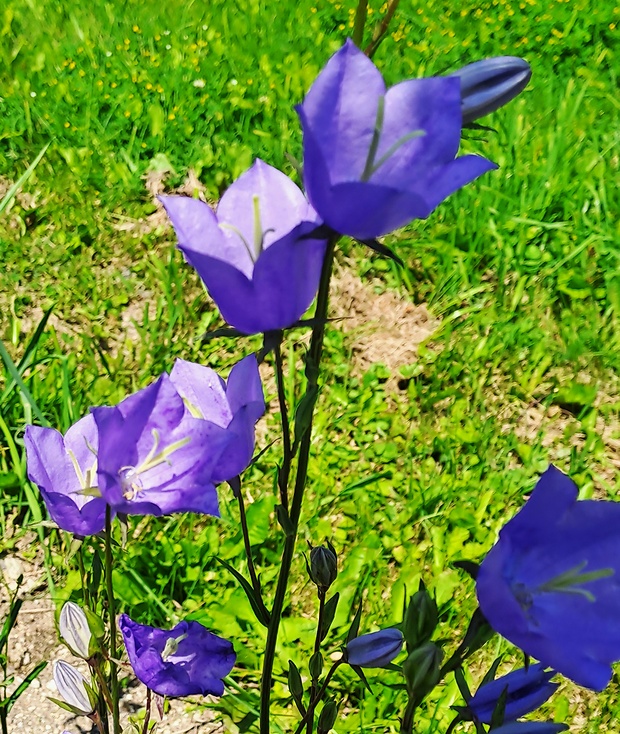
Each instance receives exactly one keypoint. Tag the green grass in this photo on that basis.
(521, 266)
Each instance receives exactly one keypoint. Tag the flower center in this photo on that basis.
(88, 478)
(572, 581)
(131, 482)
(170, 649)
(258, 239)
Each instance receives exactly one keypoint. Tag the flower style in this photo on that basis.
(65, 471)
(376, 649)
(164, 448)
(550, 584)
(235, 406)
(526, 690)
(489, 84)
(256, 254)
(183, 661)
(375, 159)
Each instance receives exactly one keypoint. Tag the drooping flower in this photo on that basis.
(489, 84)
(74, 630)
(550, 584)
(235, 405)
(256, 253)
(376, 649)
(183, 661)
(526, 690)
(74, 688)
(164, 448)
(65, 471)
(375, 159)
(530, 727)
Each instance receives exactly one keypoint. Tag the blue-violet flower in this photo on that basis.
(374, 650)
(550, 584)
(256, 254)
(183, 661)
(375, 159)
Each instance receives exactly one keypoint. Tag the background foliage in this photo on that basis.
(521, 268)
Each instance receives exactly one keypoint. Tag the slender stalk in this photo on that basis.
(312, 370)
(317, 647)
(361, 13)
(381, 29)
(112, 620)
(103, 686)
(147, 715)
(82, 571)
(248, 552)
(286, 430)
(317, 699)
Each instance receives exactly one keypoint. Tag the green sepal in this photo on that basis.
(315, 666)
(258, 607)
(327, 718)
(329, 612)
(296, 687)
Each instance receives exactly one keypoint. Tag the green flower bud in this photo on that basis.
(327, 719)
(323, 566)
(316, 666)
(421, 669)
(420, 619)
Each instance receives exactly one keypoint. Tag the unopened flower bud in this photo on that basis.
(376, 649)
(421, 669)
(73, 687)
(327, 719)
(420, 619)
(323, 566)
(489, 84)
(75, 631)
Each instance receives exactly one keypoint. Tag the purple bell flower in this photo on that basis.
(530, 727)
(235, 406)
(550, 584)
(65, 471)
(527, 689)
(374, 650)
(163, 449)
(375, 159)
(489, 84)
(256, 254)
(183, 661)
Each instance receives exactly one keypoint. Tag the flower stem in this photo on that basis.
(248, 553)
(312, 370)
(112, 620)
(286, 431)
(147, 713)
(317, 647)
(361, 13)
(317, 699)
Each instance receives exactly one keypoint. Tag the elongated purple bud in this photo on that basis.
(376, 649)
(74, 630)
(489, 84)
(73, 687)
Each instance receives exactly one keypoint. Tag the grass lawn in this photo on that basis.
(417, 462)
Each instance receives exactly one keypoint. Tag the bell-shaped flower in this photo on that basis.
(257, 254)
(551, 583)
(235, 405)
(164, 448)
(375, 159)
(75, 690)
(489, 84)
(65, 471)
(525, 690)
(75, 631)
(530, 727)
(183, 661)
(374, 650)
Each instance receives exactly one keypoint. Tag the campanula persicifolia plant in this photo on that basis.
(374, 159)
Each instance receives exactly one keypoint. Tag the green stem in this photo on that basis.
(147, 715)
(112, 620)
(312, 369)
(83, 581)
(317, 647)
(248, 552)
(286, 431)
(317, 699)
(361, 13)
